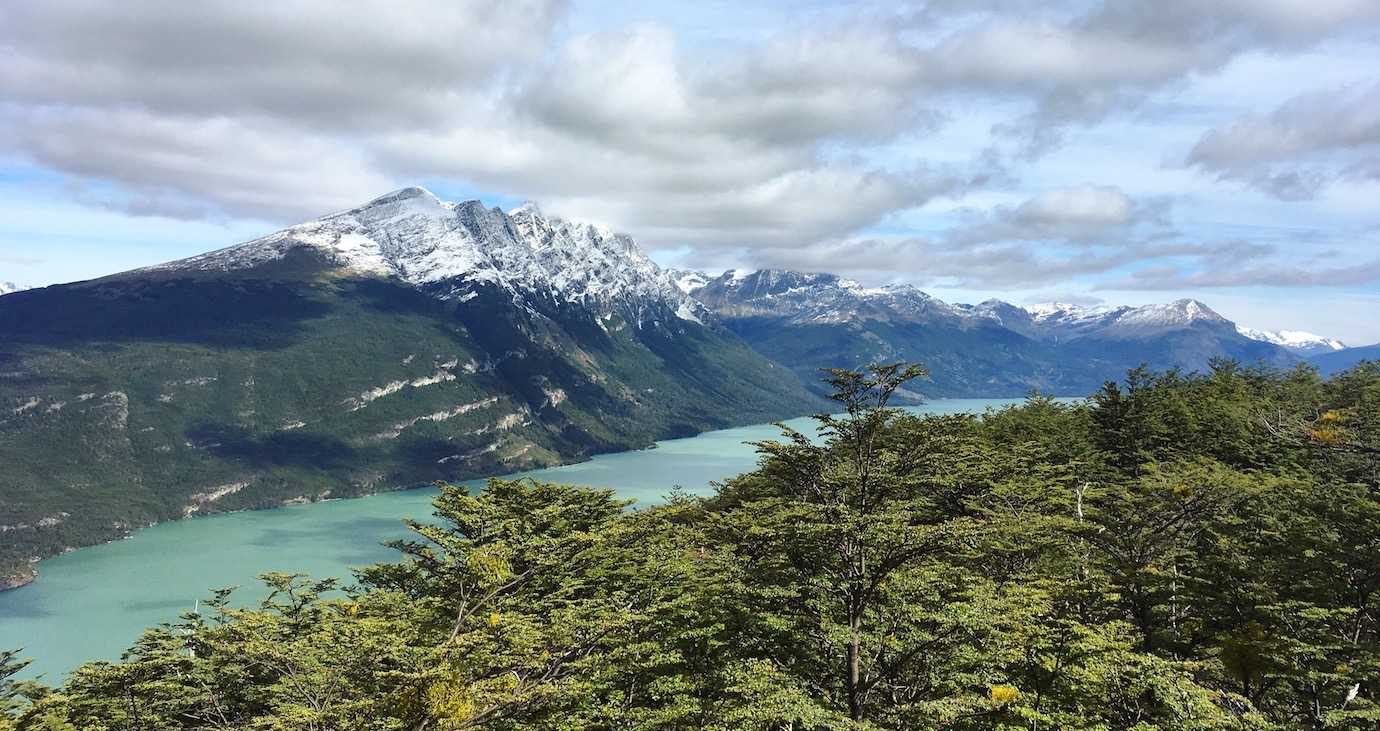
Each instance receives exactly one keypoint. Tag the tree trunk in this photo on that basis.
(854, 668)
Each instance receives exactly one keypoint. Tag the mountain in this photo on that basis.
(808, 321)
(9, 288)
(1337, 361)
(404, 341)
(688, 280)
(1295, 341)
(990, 349)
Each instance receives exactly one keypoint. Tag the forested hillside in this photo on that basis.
(294, 368)
(1180, 552)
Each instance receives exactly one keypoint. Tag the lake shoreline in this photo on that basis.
(91, 603)
(21, 577)
(28, 574)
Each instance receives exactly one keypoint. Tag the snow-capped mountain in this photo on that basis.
(413, 236)
(814, 298)
(808, 320)
(688, 280)
(1296, 341)
(401, 342)
(10, 287)
(1062, 321)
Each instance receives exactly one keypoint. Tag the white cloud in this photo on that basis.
(785, 147)
(1306, 143)
(192, 168)
(323, 65)
(1084, 206)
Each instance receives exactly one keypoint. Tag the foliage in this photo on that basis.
(173, 395)
(1179, 552)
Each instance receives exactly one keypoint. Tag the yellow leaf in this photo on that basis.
(1003, 694)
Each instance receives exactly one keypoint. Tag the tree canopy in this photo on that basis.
(1180, 551)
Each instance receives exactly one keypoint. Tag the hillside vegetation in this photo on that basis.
(151, 397)
(1180, 552)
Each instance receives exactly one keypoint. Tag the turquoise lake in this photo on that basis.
(94, 602)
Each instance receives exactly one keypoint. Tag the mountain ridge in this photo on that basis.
(1332, 362)
(412, 339)
(1050, 314)
(412, 235)
(991, 348)
(394, 344)
(1297, 341)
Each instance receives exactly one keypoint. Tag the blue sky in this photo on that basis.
(1117, 151)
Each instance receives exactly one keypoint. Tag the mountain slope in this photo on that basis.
(809, 321)
(990, 349)
(1337, 361)
(405, 341)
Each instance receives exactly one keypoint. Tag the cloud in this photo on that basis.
(1305, 144)
(1047, 240)
(1072, 298)
(1080, 69)
(795, 140)
(1095, 207)
(618, 128)
(1082, 215)
(1268, 274)
(194, 168)
(1097, 236)
(371, 64)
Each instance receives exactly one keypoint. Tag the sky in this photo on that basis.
(1088, 151)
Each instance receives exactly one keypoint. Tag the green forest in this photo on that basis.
(1180, 551)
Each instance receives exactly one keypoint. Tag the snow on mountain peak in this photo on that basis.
(412, 235)
(816, 297)
(1178, 312)
(1298, 341)
(688, 280)
(1047, 310)
(826, 298)
(529, 207)
(10, 288)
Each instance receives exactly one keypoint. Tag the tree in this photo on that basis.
(837, 542)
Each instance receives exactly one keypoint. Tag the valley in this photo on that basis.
(411, 340)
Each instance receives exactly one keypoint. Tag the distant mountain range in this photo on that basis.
(1337, 361)
(993, 348)
(1295, 341)
(412, 339)
(9, 287)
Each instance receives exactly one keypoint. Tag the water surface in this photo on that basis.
(94, 602)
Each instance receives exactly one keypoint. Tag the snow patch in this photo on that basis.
(1295, 340)
(686, 311)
